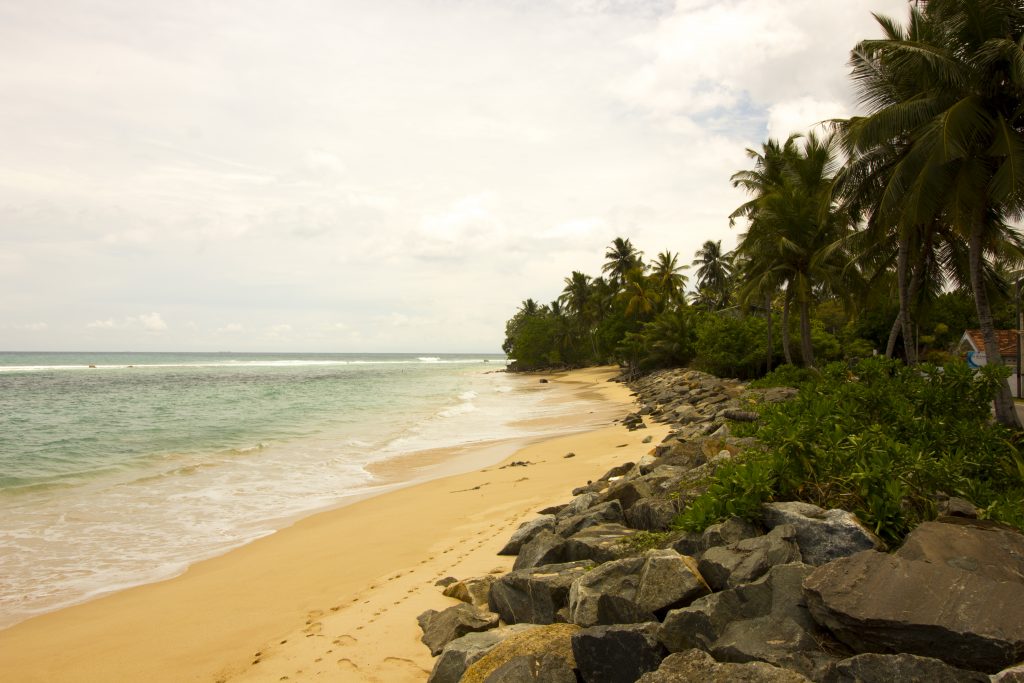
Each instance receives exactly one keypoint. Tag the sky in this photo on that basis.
(368, 175)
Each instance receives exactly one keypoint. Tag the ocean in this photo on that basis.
(118, 469)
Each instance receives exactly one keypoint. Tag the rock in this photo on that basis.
(875, 602)
(652, 514)
(635, 589)
(617, 471)
(544, 548)
(554, 640)
(461, 652)
(694, 665)
(823, 535)
(542, 381)
(985, 548)
(577, 505)
(533, 669)
(600, 543)
(476, 591)
(782, 642)
(446, 581)
(647, 439)
(1015, 674)
(570, 454)
(617, 652)
(605, 513)
(957, 507)
(687, 543)
(535, 595)
(552, 509)
(627, 492)
(778, 594)
(899, 668)
(743, 561)
(525, 533)
(730, 531)
(440, 628)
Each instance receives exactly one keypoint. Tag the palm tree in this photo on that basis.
(621, 257)
(960, 111)
(641, 297)
(796, 229)
(668, 277)
(714, 271)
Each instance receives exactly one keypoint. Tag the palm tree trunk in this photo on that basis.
(903, 256)
(787, 354)
(1006, 413)
(806, 350)
(768, 309)
(894, 334)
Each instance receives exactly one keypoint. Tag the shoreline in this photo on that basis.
(323, 595)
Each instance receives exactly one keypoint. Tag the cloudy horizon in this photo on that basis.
(359, 177)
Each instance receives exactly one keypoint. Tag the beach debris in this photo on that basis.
(569, 455)
(516, 463)
(543, 381)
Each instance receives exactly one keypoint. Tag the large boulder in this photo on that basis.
(525, 533)
(604, 513)
(732, 530)
(544, 548)
(440, 628)
(600, 543)
(652, 514)
(777, 595)
(618, 652)
(635, 589)
(823, 535)
(461, 652)
(960, 608)
(779, 641)
(899, 668)
(985, 548)
(744, 561)
(694, 665)
(553, 640)
(1014, 674)
(577, 505)
(536, 594)
(476, 591)
(627, 492)
(533, 669)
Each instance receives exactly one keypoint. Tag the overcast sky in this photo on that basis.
(375, 175)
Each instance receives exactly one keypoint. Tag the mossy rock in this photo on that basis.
(552, 639)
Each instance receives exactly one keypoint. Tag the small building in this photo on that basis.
(973, 345)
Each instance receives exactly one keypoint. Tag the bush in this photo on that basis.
(879, 439)
(731, 346)
(785, 376)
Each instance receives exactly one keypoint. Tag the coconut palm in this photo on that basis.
(960, 111)
(621, 257)
(714, 271)
(668, 277)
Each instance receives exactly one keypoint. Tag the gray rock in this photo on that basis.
(544, 548)
(535, 595)
(440, 628)
(476, 591)
(782, 642)
(545, 668)
(461, 652)
(600, 543)
(1015, 674)
(552, 640)
(617, 652)
(694, 665)
(823, 535)
(899, 668)
(635, 589)
(983, 548)
(875, 602)
(526, 532)
(605, 513)
(627, 492)
(744, 561)
(652, 514)
(778, 594)
(687, 543)
(616, 471)
(731, 530)
(957, 507)
(577, 505)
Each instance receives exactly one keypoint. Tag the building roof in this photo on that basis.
(1007, 342)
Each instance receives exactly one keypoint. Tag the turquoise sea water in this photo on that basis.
(128, 471)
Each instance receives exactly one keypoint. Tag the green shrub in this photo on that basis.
(879, 439)
(785, 376)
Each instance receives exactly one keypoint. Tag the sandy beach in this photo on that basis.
(334, 596)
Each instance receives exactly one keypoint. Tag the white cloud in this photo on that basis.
(31, 327)
(230, 328)
(148, 322)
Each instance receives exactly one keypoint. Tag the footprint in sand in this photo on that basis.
(313, 629)
(347, 664)
(403, 665)
(345, 639)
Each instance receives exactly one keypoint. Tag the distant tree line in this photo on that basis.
(892, 231)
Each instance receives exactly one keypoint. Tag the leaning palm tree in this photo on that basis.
(621, 257)
(961, 116)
